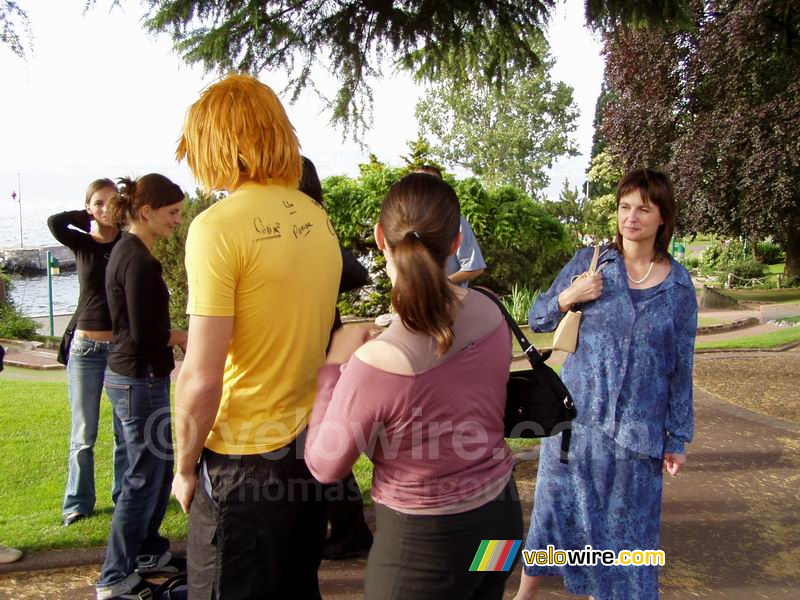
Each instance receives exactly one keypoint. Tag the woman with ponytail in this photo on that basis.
(425, 401)
(137, 382)
(91, 234)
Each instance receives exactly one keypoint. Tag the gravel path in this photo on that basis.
(764, 382)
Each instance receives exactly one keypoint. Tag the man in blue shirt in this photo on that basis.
(467, 263)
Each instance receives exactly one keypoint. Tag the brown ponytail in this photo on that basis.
(420, 219)
(152, 190)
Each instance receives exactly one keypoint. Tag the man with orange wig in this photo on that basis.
(263, 267)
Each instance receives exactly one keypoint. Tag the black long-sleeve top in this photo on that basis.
(91, 259)
(139, 302)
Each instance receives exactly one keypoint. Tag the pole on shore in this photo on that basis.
(50, 290)
(19, 189)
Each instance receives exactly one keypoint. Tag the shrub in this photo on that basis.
(747, 268)
(719, 255)
(769, 253)
(16, 326)
(791, 282)
(518, 303)
(13, 324)
(171, 251)
(692, 262)
(521, 243)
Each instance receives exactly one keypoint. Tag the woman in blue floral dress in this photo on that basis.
(631, 379)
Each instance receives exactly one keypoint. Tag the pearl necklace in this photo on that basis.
(646, 275)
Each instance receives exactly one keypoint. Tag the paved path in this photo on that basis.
(731, 520)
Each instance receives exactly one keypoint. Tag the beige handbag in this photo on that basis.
(566, 336)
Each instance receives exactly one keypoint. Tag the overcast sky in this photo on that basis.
(97, 90)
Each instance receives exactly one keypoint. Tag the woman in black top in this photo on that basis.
(90, 234)
(138, 383)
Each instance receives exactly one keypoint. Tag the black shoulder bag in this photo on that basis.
(69, 333)
(538, 403)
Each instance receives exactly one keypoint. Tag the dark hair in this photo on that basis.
(309, 182)
(655, 187)
(429, 170)
(97, 185)
(153, 190)
(420, 219)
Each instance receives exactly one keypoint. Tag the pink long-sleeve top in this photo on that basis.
(434, 436)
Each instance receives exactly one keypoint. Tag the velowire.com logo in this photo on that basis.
(495, 555)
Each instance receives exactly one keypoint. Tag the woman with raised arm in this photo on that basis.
(91, 235)
(425, 401)
(138, 384)
(631, 379)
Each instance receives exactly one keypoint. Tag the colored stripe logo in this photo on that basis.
(495, 555)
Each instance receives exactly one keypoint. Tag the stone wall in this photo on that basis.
(33, 259)
(770, 312)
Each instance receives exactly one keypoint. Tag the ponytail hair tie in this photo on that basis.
(416, 235)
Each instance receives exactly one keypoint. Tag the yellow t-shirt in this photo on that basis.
(268, 256)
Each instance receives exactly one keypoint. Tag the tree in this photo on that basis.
(570, 210)
(14, 19)
(739, 169)
(609, 14)
(430, 38)
(521, 243)
(598, 138)
(420, 155)
(434, 40)
(640, 121)
(718, 105)
(601, 211)
(596, 217)
(508, 137)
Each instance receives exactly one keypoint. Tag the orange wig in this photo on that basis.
(238, 130)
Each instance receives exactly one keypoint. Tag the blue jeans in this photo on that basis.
(142, 405)
(85, 370)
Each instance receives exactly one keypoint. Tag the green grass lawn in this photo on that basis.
(773, 339)
(34, 439)
(775, 269)
(783, 295)
(540, 340)
(709, 321)
(702, 237)
(790, 319)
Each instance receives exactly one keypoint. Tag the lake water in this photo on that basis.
(30, 294)
(43, 193)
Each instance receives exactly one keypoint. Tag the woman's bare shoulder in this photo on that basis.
(385, 356)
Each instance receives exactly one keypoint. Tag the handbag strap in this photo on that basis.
(530, 350)
(591, 271)
(595, 256)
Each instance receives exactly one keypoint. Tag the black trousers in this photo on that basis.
(259, 534)
(422, 557)
(344, 509)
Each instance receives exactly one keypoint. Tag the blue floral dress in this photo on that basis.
(631, 380)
